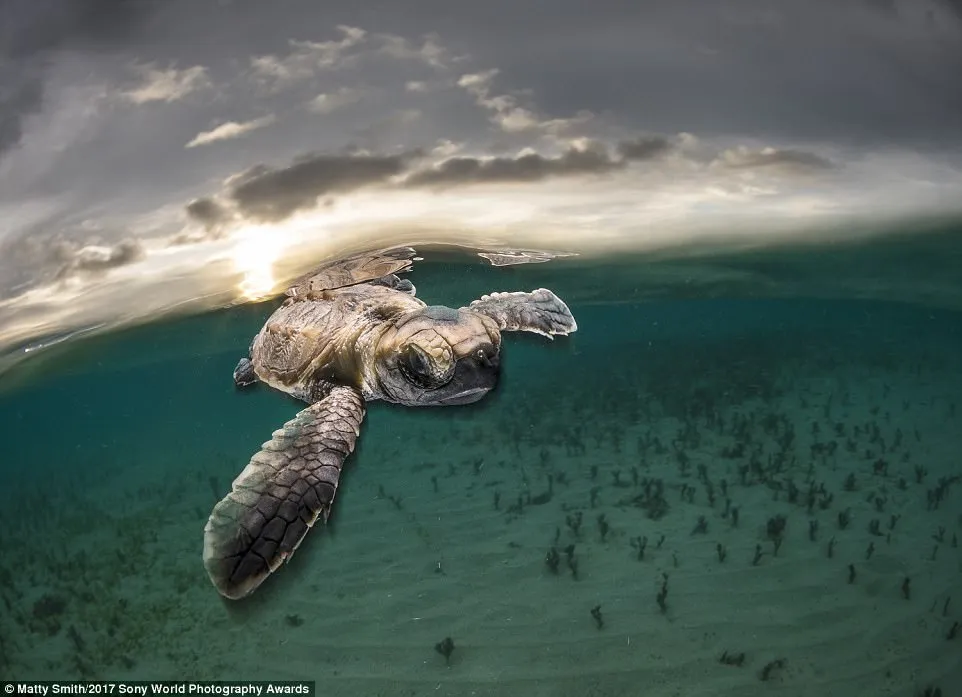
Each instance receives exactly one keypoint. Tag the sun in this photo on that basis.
(255, 252)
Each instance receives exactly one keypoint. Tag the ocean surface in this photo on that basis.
(741, 476)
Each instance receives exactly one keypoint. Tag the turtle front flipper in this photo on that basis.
(281, 493)
(539, 311)
(244, 374)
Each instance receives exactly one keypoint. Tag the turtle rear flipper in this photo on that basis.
(539, 311)
(281, 493)
(402, 285)
(244, 373)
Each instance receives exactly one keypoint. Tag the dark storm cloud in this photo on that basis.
(596, 159)
(63, 257)
(266, 194)
(955, 6)
(207, 212)
(645, 147)
(32, 30)
(804, 69)
(95, 258)
(23, 95)
(528, 167)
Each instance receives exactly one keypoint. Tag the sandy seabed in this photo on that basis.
(577, 541)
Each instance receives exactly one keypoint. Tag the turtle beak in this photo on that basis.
(474, 376)
(466, 396)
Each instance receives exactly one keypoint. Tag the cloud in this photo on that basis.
(526, 167)
(955, 6)
(446, 148)
(645, 147)
(95, 259)
(507, 114)
(306, 58)
(33, 32)
(166, 85)
(328, 102)
(208, 212)
(504, 109)
(229, 130)
(23, 96)
(679, 156)
(430, 51)
(62, 257)
(798, 161)
(267, 194)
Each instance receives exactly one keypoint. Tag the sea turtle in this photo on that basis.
(351, 332)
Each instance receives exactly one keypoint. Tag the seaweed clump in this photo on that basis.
(47, 612)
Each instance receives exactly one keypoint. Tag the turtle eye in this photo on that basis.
(418, 368)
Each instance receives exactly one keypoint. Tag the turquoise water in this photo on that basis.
(768, 370)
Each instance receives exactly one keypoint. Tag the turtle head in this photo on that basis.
(439, 356)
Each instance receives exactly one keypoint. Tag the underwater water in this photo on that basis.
(739, 477)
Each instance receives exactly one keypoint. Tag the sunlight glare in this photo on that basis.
(254, 255)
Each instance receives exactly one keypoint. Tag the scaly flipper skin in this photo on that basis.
(539, 311)
(244, 373)
(281, 493)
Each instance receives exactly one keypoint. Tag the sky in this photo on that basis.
(156, 151)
